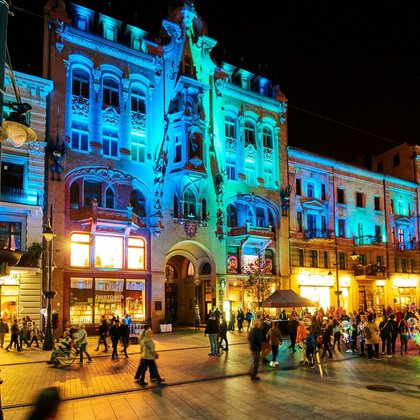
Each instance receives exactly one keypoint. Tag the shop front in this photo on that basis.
(94, 297)
(405, 290)
(9, 295)
(316, 287)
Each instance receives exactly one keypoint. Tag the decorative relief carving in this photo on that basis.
(231, 145)
(268, 155)
(80, 107)
(96, 73)
(138, 122)
(110, 175)
(111, 117)
(250, 152)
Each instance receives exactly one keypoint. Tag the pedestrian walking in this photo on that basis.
(250, 319)
(301, 341)
(326, 339)
(47, 404)
(240, 318)
(197, 320)
(293, 326)
(103, 333)
(371, 334)
(394, 332)
(55, 323)
(149, 357)
(255, 339)
(223, 334)
(404, 331)
(14, 336)
(125, 335)
(36, 334)
(81, 342)
(385, 328)
(274, 340)
(141, 370)
(212, 330)
(115, 335)
(231, 325)
(310, 345)
(337, 334)
(24, 335)
(4, 329)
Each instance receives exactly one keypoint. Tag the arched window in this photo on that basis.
(138, 202)
(261, 219)
(74, 196)
(205, 268)
(230, 127)
(109, 198)
(249, 134)
(267, 138)
(232, 218)
(176, 206)
(110, 92)
(190, 269)
(80, 83)
(138, 102)
(204, 209)
(189, 204)
(92, 193)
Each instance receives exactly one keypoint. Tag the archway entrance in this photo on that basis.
(189, 286)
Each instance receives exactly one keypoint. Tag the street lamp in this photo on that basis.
(48, 235)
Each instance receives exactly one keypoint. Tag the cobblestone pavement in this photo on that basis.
(202, 386)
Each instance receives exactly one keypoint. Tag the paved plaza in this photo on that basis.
(199, 386)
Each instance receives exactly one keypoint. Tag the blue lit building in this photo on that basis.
(22, 200)
(170, 183)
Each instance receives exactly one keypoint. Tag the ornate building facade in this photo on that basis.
(170, 169)
(22, 201)
(352, 234)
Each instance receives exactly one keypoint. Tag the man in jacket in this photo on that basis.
(212, 330)
(125, 335)
(255, 344)
(103, 332)
(115, 334)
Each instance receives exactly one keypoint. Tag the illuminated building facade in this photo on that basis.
(352, 234)
(170, 170)
(22, 201)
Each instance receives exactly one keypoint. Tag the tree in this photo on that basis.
(258, 281)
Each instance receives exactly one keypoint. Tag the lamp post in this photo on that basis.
(48, 235)
(337, 280)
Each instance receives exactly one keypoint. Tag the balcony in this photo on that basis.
(264, 232)
(368, 240)
(408, 246)
(370, 270)
(318, 234)
(105, 214)
(20, 196)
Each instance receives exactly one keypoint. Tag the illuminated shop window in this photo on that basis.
(79, 250)
(81, 300)
(10, 235)
(135, 254)
(108, 251)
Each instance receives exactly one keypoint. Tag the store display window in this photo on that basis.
(81, 301)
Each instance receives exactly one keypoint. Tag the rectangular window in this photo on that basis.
(379, 260)
(298, 187)
(79, 250)
(301, 258)
(342, 228)
(314, 258)
(323, 192)
(268, 176)
(377, 203)
(323, 224)
(80, 138)
(326, 260)
(378, 233)
(138, 149)
(231, 170)
(360, 231)
(340, 196)
(401, 236)
(413, 266)
(359, 199)
(81, 301)
(310, 189)
(396, 160)
(299, 221)
(379, 167)
(393, 235)
(108, 251)
(110, 144)
(250, 173)
(311, 220)
(11, 235)
(403, 265)
(12, 177)
(178, 150)
(391, 206)
(342, 260)
(400, 208)
(135, 254)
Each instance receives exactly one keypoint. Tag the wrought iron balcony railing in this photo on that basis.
(318, 234)
(368, 240)
(408, 246)
(20, 196)
(369, 270)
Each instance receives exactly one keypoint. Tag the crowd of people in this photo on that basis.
(319, 335)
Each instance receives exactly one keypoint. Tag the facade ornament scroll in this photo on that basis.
(96, 72)
(125, 88)
(60, 29)
(67, 66)
(158, 65)
(219, 84)
(159, 168)
(111, 117)
(283, 112)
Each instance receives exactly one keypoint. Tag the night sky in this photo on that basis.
(350, 69)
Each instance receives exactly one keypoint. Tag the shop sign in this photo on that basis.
(315, 280)
(108, 298)
(405, 282)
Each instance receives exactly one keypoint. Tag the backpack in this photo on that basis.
(367, 333)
